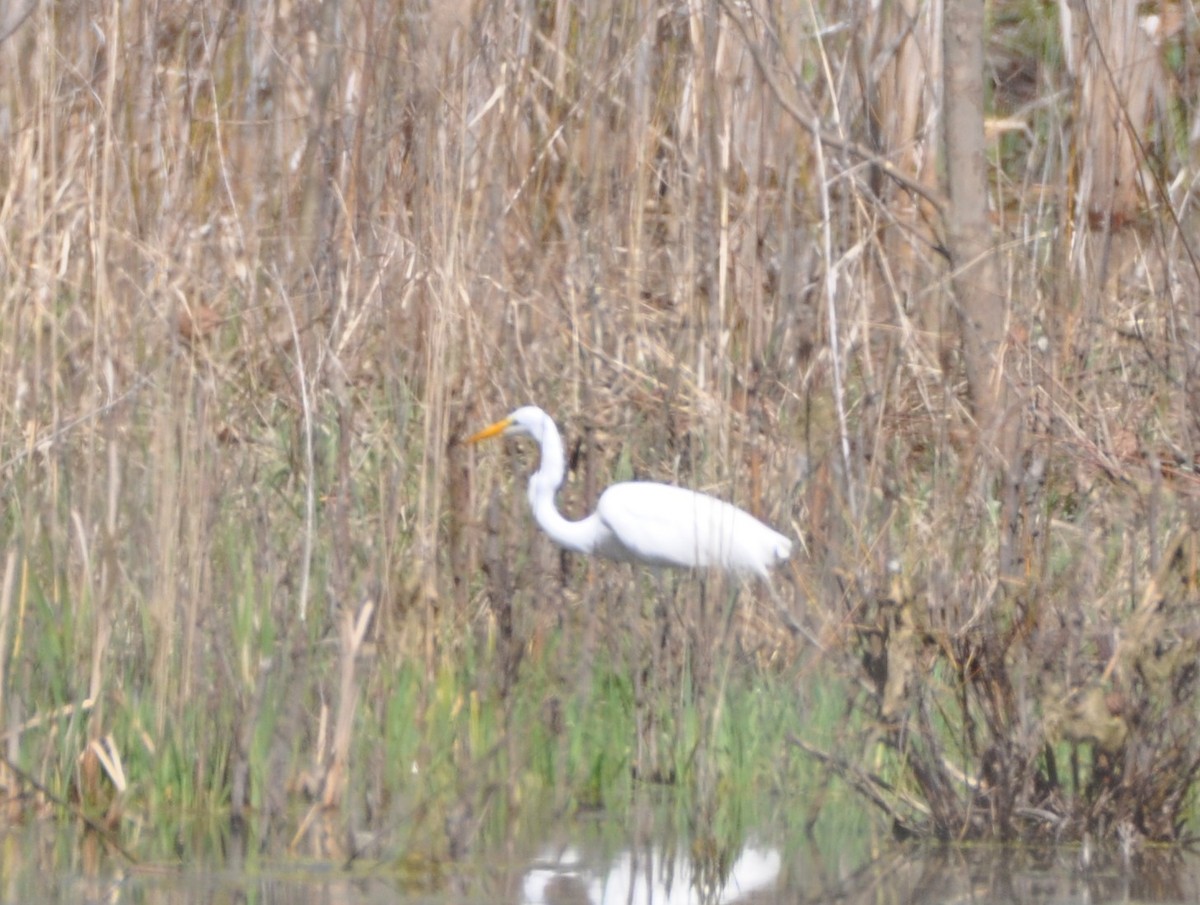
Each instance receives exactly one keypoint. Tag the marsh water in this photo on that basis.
(590, 862)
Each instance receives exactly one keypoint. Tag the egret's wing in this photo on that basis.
(665, 525)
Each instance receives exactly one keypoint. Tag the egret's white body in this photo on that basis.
(642, 521)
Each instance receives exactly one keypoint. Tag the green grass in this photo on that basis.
(426, 743)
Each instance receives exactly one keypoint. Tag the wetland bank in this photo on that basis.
(268, 265)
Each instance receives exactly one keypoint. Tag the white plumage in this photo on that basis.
(643, 521)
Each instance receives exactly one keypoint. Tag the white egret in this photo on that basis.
(643, 521)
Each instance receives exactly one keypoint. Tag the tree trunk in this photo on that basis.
(979, 299)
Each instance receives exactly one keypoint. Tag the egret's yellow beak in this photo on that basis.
(491, 430)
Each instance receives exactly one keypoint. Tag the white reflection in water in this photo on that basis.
(645, 877)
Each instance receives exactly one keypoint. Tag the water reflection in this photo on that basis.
(590, 866)
(1018, 874)
(653, 876)
(999, 875)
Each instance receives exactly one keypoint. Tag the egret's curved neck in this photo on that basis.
(543, 485)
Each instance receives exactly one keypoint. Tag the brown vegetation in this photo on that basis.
(266, 264)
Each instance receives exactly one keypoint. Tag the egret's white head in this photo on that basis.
(527, 421)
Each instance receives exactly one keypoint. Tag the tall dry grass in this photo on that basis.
(265, 265)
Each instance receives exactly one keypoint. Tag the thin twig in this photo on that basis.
(813, 126)
(867, 784)
(90, 822)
